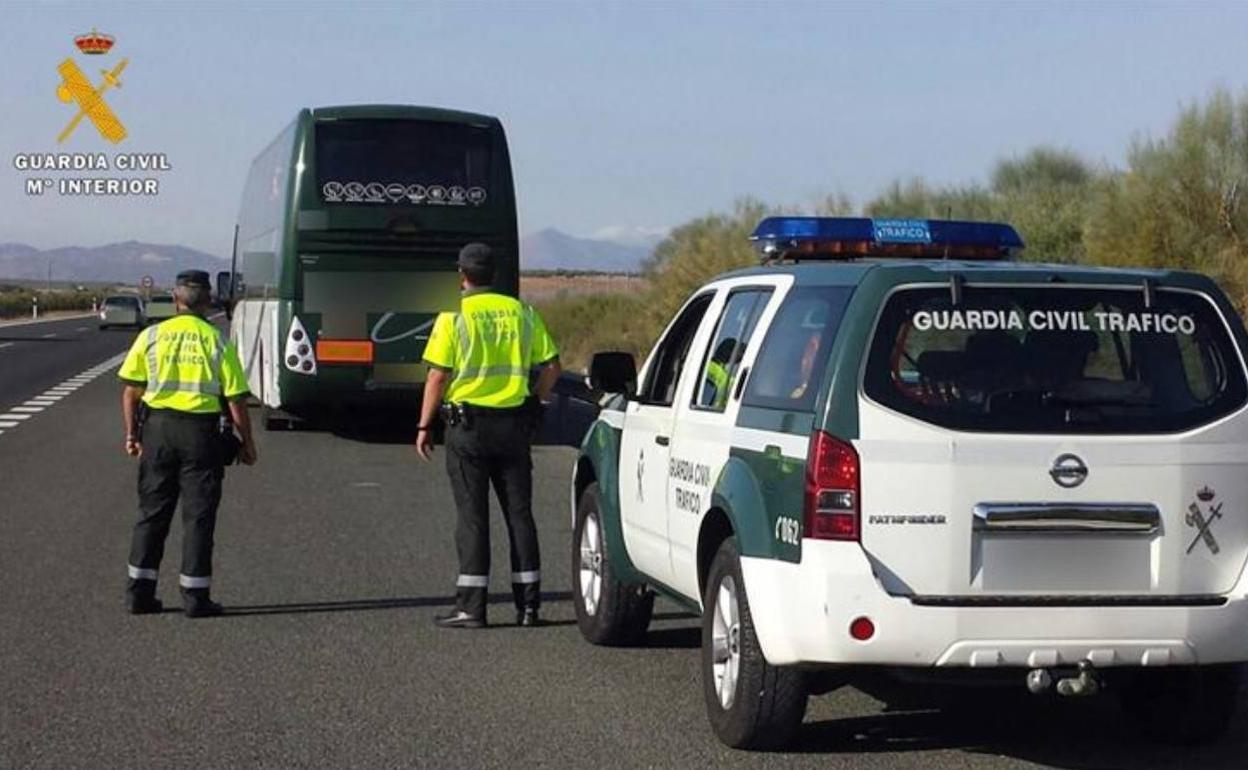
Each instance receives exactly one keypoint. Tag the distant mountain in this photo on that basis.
(551, 249)
(124, 262)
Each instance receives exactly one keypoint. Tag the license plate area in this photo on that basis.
(1040, 563)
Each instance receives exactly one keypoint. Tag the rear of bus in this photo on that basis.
(385, 198)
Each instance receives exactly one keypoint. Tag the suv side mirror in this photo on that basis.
(613, 372)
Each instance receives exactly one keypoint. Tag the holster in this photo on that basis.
(228, 440)
(456, 414)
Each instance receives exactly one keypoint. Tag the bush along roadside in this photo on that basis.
(17, 302)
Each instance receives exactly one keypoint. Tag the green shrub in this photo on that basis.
(15, 302)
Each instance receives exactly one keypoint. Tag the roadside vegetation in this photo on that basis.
(15, 301)
(1179, 203)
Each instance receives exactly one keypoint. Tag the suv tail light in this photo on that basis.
(832, 489)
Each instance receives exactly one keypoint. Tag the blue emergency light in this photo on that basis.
(799, 238)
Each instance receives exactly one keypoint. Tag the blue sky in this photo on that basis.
(622, 117)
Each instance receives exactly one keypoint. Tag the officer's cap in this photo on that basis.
(476, 257)
(197, 278)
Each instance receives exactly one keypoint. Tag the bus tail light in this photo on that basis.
(833, 489)
(344, 351)
(299, 356)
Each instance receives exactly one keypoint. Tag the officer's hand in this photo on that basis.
(424, 445)
(133, 447)
(247, 454)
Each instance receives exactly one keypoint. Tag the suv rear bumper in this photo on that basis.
(802, 614)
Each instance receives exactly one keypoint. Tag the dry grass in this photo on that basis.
(546, 287)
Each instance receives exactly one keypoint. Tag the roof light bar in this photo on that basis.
(800, 238)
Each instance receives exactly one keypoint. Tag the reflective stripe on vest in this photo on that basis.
(155, 386)
(172, 386)
(153, 360)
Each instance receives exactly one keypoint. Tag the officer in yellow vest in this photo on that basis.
(479, 362)
(180, 372)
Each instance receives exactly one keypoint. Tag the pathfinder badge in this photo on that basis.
(1202, 522)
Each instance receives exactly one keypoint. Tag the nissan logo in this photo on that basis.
(1068, 471)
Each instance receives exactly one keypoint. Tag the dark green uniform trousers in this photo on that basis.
(493, 449)
(181, 461)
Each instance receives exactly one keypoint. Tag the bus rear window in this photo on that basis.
(1055, 360)
(403, 162)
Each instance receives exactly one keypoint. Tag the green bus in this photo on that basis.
(345, 248)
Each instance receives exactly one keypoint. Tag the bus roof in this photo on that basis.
(401, 111)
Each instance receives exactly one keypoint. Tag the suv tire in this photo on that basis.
(751, 703)
(1185, 705)
(608, 610)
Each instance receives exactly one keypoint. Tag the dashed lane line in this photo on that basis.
(17, 415)
(6, 345)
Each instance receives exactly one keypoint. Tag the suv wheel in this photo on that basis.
(751, 703)
(1183, 705)
(608, 611)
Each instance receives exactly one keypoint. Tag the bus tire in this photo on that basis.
(609, 611)
(751, 704)
(275, 420)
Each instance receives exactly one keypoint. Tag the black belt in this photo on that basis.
(174, 414)
(490, 411)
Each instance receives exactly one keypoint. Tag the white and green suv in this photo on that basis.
(893, 446)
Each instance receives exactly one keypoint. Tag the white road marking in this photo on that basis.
(17, 414)
(81, 329)
(47, 336)
(6, 344)
(48, 320)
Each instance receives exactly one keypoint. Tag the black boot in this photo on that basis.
(141, 597)
(528, 617)
(197, 604)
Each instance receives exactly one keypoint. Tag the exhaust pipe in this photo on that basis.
(1086, 683)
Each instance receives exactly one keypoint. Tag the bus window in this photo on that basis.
(403, 161)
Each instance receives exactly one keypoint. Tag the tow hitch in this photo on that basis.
(1086, 682)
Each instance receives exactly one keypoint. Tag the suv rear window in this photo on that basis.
(1055, 360)
(794, 354)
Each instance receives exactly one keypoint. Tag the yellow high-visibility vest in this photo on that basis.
(184, 364)
(490, 345)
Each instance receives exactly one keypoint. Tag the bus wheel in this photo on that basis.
(277, 420)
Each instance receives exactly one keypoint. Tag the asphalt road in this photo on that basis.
(35, 356)
(333, 555)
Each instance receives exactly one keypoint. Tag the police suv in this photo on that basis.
(892, 446)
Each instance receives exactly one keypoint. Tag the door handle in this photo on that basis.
(662, 440)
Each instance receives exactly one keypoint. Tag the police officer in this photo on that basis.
(180, 372)
(479, 361)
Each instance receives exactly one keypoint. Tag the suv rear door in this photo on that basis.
(1054, 440)
(706, 411)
